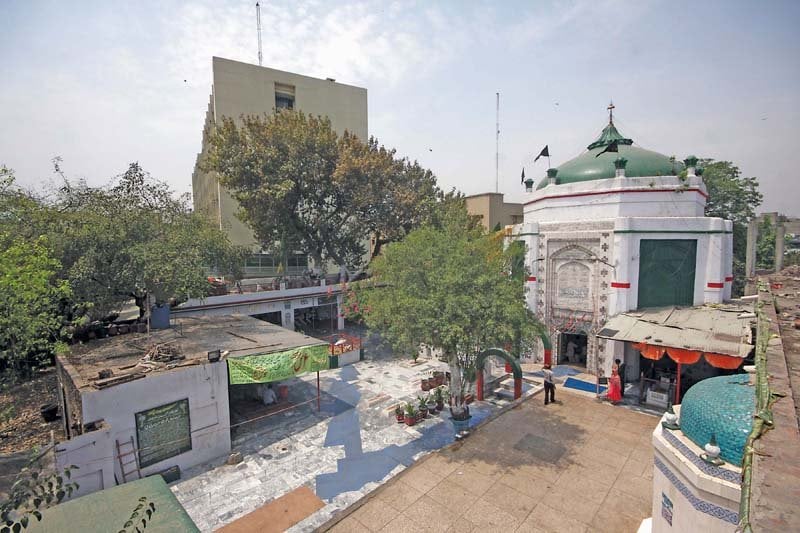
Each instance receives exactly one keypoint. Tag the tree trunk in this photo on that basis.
(458, 407)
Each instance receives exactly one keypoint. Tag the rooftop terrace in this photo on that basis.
(137, 355)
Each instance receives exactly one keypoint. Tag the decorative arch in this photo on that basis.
(510, 360)
(573, 248)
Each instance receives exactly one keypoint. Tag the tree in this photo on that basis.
(31, 303)
(301, 186)
(34, 490)
(735, 198)
(125, 241)
(450, 286)
(765, 244)
(390, 196)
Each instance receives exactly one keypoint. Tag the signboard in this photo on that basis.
(666, 508)
(276, 366)
(163, 432)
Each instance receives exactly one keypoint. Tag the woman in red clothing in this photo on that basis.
(614, 387)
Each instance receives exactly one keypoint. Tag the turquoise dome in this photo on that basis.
(722, 406)
(590, 166)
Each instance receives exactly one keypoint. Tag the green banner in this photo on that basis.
(277, 366)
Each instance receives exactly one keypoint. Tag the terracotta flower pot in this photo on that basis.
(400, 418)
(426, 385)
(410, 420)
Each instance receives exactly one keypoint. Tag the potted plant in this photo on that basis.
(426, 384)
(399, 414)
(410, 415)
(422, 407)
(430, 401)
(438, 396)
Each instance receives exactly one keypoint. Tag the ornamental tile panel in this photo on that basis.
(706, 468)
(701, 505)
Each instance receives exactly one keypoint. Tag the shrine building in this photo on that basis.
(615, 229)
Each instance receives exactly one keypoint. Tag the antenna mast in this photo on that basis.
(497, 149)
(258, 23)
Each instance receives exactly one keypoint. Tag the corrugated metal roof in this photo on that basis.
(724, 329)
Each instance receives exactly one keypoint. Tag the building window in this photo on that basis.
(283, 101)
(284, 96)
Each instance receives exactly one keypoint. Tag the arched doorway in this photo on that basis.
(573, 347)
(516, 370)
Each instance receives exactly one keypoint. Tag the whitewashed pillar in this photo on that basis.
(621, 284)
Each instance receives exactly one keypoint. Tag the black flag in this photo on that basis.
(544, 153)
(612, 147)
(522, 179)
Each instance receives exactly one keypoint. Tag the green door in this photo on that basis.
(666, 272)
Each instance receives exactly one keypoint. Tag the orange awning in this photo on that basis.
(727, 362)
(682, 356)
(650, 351)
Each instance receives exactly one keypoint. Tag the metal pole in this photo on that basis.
(497, 148)
(318, 407)
(678, 387)
(258, 23)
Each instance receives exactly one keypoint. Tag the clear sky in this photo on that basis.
(101, 83)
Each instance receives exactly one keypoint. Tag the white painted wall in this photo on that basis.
(654, 196)
(707, 488)
(623, 211)
(93, 453)
(206, 387)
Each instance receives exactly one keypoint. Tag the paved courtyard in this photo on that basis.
(342, 452)
(578, 465)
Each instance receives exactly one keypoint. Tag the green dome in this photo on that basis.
(722, 406)
(589, 166)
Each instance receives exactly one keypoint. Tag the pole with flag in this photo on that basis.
(544, 153)
(522, 179)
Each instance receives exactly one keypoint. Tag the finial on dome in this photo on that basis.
(619, 165)
(610, 112)
(551, 175)
(691, 165)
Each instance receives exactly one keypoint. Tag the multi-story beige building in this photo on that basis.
(240, 89)
(493, 210)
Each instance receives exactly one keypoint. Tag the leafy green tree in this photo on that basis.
(32, 298)
(732, 197)
(34, 490)
(450, 286)
(126, 241)
(765, 244)
(301, 186)
(390, 196)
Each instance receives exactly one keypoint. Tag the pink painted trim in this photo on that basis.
(531, 278)
(595, 193)
(728, 278)
(620, 285)
(712, 285)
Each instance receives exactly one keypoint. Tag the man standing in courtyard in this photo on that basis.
(549, 385)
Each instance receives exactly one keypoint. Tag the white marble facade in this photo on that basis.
(583, 251)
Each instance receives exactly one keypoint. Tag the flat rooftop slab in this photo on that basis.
(190, 338)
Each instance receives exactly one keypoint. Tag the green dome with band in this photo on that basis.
(595, 164)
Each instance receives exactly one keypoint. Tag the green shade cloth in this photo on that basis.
(276, 366)
(107, 510)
